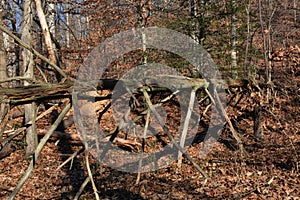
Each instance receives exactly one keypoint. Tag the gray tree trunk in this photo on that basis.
(3, 72)
(52, 31)
(233, 54)
(68, 24)
(28, 64)
(193, 14)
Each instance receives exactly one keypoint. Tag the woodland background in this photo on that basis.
(254, 43)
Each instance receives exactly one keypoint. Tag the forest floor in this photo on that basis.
(269, 169)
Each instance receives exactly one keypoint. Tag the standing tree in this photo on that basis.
(266, 29)
(3, 74)
(12, 50)
(233, 34)
(28, 64)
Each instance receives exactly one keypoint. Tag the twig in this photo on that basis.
(70, 158)
(42, 73)
(91, 175)
(38, 151)
(143, 147)
(169, 97)
(85, 182)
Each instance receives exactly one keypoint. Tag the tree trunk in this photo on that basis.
(52, 31)
(47, 36)
(258, 123)
(68, 24)
(31, 137)
(247, 64)
(233, 55)
(193, 14)
(12, 50)
(295, 10)
(3, 73)
(267, 42)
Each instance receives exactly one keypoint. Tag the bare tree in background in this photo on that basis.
(68, 24)
(233, 54)
(247, 62)
(193, 13)
(12, 49)
(266, 29)
(295, 10)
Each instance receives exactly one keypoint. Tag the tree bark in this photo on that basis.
(28, 64)
(3, 72)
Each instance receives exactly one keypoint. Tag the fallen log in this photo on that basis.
(44, 91)
(41, 92)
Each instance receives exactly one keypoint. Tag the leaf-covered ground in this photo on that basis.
(268, 170)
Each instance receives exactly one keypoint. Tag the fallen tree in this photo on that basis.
(64, 90)
(44, 91)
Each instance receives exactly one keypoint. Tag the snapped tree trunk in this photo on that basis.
(47, 36)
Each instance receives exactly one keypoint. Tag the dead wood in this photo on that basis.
(43, 91)
(38, 92)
